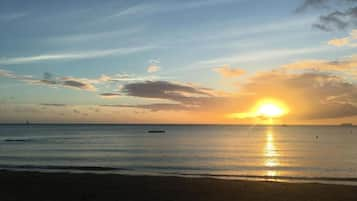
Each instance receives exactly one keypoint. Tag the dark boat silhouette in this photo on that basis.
(346, 124)
(17, 140)
(156, 131)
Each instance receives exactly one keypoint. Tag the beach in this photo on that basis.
(101, 187)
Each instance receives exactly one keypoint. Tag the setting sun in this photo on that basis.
(265, 108)
(270, 110)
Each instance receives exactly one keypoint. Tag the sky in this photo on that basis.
(212, 61)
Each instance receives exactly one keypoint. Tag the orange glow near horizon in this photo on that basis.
(265, 109)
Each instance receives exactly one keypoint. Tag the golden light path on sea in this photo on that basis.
(270, 154)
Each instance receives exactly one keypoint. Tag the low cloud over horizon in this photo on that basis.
(313, 90)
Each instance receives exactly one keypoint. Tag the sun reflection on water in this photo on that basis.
(270, 153)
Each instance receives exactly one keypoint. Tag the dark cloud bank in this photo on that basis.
(340, 15)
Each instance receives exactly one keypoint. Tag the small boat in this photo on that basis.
(16, 140)
(156, 131)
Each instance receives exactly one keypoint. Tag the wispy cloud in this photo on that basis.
(5, 17)
(339, 42)
(237, 34)
(260, 55)
(77, 84)
(345, 66)
(350, 40)
(83, 37)
(54, 104)
(312, 4)
(12, 75)
(109, 95)
(72, 55)
(52, 81)
(227, 71)
(151, 8)
(154, 66)
(87, 84)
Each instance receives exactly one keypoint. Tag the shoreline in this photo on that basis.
(100, 170)
(24, 185)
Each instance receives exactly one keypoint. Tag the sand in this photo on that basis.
(28, 186)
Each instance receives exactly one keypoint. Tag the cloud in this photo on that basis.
(5, 73)
(6, 17)
(153, 68)
(181, 96)
(77, 84)
(84, 37)
(346, 41)
(70, 82)
(329, 96)
(153, 8)
(339, 42)
(163, 90)
(50, 80)
(109, 95)
(54, 104)
(337, 18)
(155, 107)
(260, 55)
(12, 75)
(322, 4)
(354, 34)
(227, 71)
(72, 55)
(347, 66)
(76, 111)
(312, 4)
(88, 84)
(121, 77)
(331, 93)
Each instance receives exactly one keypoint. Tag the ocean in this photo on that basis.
(325, 154)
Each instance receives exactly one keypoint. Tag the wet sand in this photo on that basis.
(31, 186)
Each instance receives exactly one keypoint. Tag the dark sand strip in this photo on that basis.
(31, 186)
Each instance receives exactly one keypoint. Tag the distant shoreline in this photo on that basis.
(95, 187)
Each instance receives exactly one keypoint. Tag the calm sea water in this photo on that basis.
(296, 153)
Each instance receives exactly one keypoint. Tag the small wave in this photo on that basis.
(267, 177)
(99, 169)
(59, 167)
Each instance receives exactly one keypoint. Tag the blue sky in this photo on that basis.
(183, 41)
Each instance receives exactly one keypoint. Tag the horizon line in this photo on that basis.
(176, 124)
